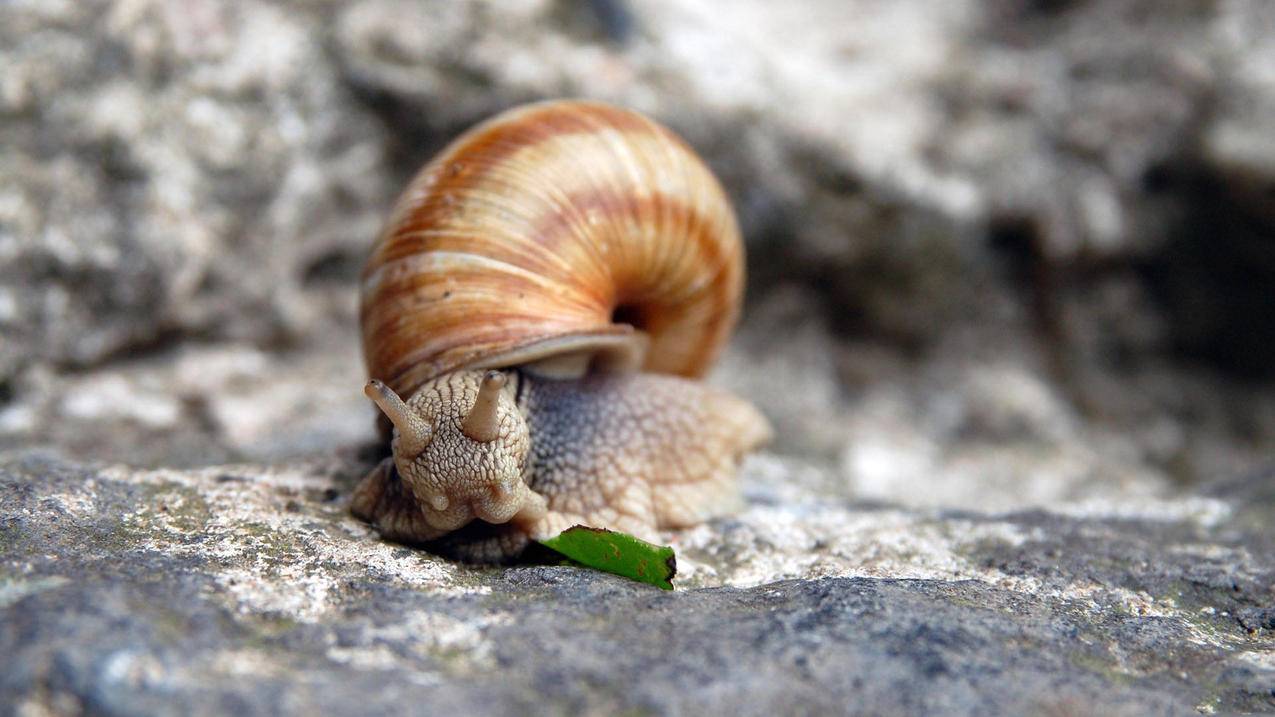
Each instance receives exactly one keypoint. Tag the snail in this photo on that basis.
(535, 316)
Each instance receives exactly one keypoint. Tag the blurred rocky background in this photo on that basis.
(1008, 258)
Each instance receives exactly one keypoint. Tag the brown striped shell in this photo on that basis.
(554, 228)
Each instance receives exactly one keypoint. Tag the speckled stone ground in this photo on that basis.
(1008, 310)
(251, 590)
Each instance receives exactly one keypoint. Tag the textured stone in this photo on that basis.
(250, 590)
(1009, 311)
(1073, 192)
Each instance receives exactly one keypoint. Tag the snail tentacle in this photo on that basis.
(483, 424)
(413, 431)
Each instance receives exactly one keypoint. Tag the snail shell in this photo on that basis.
(554, 231)
(566, 244)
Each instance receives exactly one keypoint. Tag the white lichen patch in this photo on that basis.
(373, 657)
(435, 634)
(78, 505)
(270, 549)
(243, 662)
(12, 591)
(293, 590)
(1205, 512)
(110, 397)
(134, 668)
(1261, 659)
(774, 544)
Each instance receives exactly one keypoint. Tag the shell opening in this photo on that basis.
(627, 314)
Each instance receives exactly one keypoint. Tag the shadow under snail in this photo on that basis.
(534, 316)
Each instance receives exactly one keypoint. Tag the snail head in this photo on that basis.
(460, 446)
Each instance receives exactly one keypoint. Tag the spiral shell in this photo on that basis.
(555, 228)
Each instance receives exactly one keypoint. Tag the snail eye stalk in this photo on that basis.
(483, 424)
(413, 431)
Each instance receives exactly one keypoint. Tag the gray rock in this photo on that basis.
(249, 590)
(1008, 310)
(170, 173)
(1073, 192)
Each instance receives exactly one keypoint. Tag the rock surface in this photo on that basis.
(1009, 310)
(254, 592)
(1074, 194)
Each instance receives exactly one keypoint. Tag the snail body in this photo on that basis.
(544, 295)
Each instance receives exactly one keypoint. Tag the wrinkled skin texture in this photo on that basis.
(419, 496)
(635, 453)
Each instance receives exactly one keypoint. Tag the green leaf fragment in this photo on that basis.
(617, 553)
